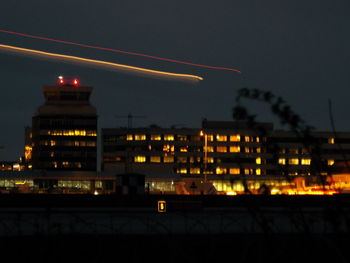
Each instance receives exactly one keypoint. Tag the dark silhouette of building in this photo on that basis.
(64, 129)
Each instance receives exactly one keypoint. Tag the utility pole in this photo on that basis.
(205, 161)
(130, 117)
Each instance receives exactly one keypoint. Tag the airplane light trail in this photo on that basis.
(120, 51)
(104, 64)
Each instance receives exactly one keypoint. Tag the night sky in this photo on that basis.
(297, 49)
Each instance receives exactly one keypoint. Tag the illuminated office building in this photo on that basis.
(224, 152)
(64, 129)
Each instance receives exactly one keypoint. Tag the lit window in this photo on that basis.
(83, 133)
(168, 137)
(181, 170)
(246, 149)
(155, 137)
(52, 143)
(248, 171)
(258, 160)
(140, 137)
(258, 171)
(235, 149)
(331, 140)
(183, 149)
(246, 138)
(282, 161)
(330, 162)
(293, 161)
(221, 138)
(90, 133)
(91, 144)
(235, 171)
(221, 149)
(155, 159)
(169, 159)
(195, 171)
(210, 137)
(129, 137)
(210, 160)
(27, 152)
(235, 138)
(182, 159)
(168, 148)
(65, 164)
(220, 170)
(181, 137)
(258, 150)
(210, 149)
(257, 139)
(140, 159)
(305, 161)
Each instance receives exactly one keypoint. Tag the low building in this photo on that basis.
(232, 155)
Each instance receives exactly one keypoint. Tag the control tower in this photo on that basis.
(64, 129)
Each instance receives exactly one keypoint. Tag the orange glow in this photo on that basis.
(161, 206)
(311, 192)
(105, 64)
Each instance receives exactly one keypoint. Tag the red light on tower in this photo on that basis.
(75, 82)
(60, 80)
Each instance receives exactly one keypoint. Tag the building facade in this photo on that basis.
(64, 129)
(230, 154)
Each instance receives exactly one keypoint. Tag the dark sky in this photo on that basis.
(296, 49)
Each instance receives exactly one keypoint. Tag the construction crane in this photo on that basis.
(130, 117)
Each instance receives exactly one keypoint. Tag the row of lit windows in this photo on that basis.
(66, 164)
(232, 149)
(210, 137)
(220, 149)
(180, 159)
(68, 143)
(220, 171)
(69, 132)
(209, 160)
(303, 161)
(154, 137)
(154, 159)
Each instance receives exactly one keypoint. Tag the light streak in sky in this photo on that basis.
(120, 51)
(103, 64)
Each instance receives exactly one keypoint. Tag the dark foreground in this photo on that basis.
(54, 228)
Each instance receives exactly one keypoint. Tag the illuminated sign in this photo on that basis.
(161, 206)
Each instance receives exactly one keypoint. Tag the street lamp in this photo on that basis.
(202, 133)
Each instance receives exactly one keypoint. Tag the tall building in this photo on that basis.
(64, 129)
